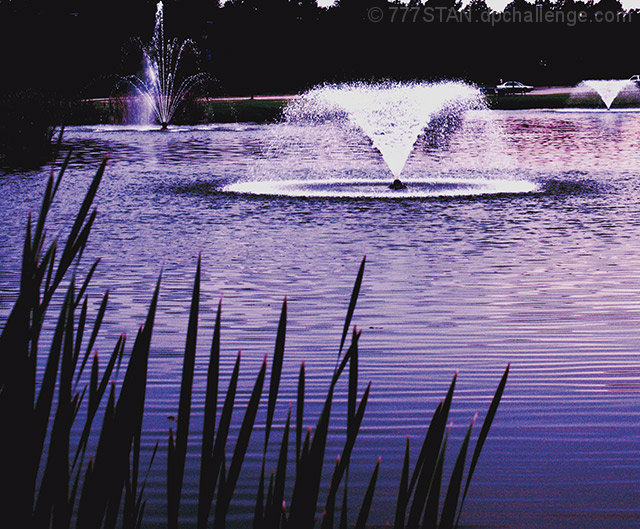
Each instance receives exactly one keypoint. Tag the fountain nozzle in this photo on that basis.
(397, 185)
(164, 126)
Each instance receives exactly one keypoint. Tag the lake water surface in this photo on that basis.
(540, 270)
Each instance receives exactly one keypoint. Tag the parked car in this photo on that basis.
(513, 87)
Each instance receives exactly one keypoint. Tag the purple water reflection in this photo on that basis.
(547, 280)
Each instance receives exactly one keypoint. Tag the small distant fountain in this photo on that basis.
(393, 115)
(608, 90)
(161, 86)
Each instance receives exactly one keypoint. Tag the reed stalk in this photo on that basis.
(50, 482)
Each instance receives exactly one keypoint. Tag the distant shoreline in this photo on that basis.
(268, 108)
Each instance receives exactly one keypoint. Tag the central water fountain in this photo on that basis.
(162, 85)
(383, 124)
(392, 115)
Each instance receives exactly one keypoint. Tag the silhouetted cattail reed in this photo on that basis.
(56, 487)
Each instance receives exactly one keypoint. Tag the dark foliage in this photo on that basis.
(260, 46)
(28, 122)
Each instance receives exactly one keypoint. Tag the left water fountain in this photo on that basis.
(162, 85)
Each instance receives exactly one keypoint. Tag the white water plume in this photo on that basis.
(162, 86)
(607, 89)
(393, 115)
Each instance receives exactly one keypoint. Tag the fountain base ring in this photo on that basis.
(416, 188)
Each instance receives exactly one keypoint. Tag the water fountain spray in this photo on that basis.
(392, 114)
(382, 122)
(608, 89)
(162, 86)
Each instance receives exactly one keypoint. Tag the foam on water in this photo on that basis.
(368, 188)
(591, 110)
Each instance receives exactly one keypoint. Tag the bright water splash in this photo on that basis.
(161, 87)
(368, 188)
(457, 153)
(608, 90)
(393, 115)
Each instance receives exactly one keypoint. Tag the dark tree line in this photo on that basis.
(77, 47)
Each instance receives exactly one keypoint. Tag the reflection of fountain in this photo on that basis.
(392, 115)
(608, 90)
(161, 86)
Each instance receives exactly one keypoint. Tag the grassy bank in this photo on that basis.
(245, 110)
(29, 121)
(557, 100)
(113, 111)
(269, 110)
